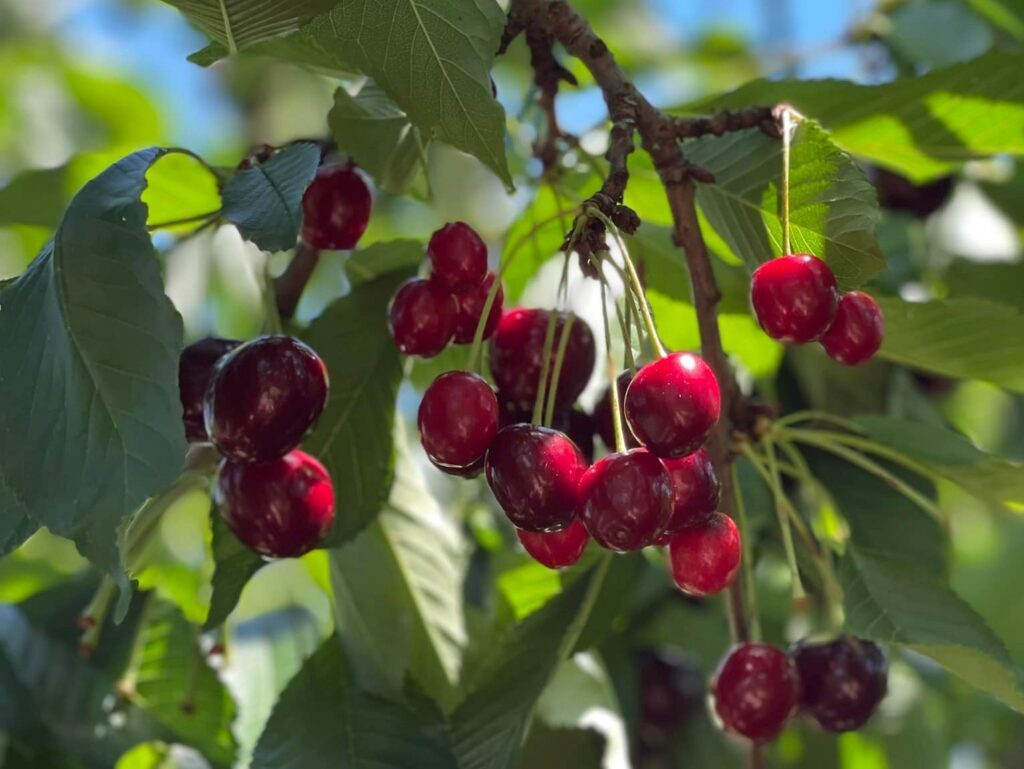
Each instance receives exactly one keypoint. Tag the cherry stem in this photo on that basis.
(631, 310)
(126, 684)
(613, 374)
(818, 416)
(549, 341)
(94, 615)
(787, 140)
(204, 219)
(556, 372)
(289, 285)
(746, 551)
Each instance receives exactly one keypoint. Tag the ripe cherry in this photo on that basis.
(517, 353)
(574, 422)
(842, 681)
(281, 508)
(603, 414)
(794, 297)
(264, 397)
(671, 689)
(195, 369)
(556, 549)
(458, 418)
(696, 490)
(626, 500)
(422, 318)
(470, 471)
(672, 404)
(705, 555)
(535, 473)
(458, 256)
(755, 691)
(471, 306)
(336, 208)
(856, 333)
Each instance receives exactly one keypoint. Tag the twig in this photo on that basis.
(548, 74)
(289, 285)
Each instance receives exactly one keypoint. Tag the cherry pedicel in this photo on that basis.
(470, 306)
(856, 333)
(696, 490)
(842, 681)
(755, 691)
(195, 369)
(794, 297)
(422, 318)
(603, 414)
(535, 474)
(458, 256)
(705, 555)
(458, 418)
(556, 549)
(264, 397)
(673, 404)
(336, 208)
(281, 508)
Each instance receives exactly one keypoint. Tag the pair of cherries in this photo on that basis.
(795, 299)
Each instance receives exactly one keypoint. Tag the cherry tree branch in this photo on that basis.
(289, 285)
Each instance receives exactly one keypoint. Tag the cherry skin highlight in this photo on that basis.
(281, 508)
(755, 691)
(856, 333)
(705, 555)
(264, 397)
(422, 318)
(794, 297)
(696, 490)
(603, 414)
(458, 256)
(470, 306)
(673, 404)
(556, 549)
(842, 681)
(336, 208)
(195, 369)
(458, 419)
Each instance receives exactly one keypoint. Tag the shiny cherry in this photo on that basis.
(705, 555)
(842, 681)
(264, 397)
(556, 549)
(535, 473)
(696, 489)
(626, 500)
(458, 257)
(603, 414)
(794, 297)
(281, 508)
(458, 419)
(195, 369)
(574, 422)
(422, 318)
(672, 404)
(471, 306)
(856, 333)
(336, 208)
(755, 691)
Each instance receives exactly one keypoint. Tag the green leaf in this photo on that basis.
(35, 197)
(889, 600)
(833, 209)
(233, 565)
(236, 24)
(89, 348)
(265, 201)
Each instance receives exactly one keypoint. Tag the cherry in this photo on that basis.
(264, 397)
(556, 549)
(336, 208)
(470, 471)
(574, 422)
(705, 556)
(281, 508)
(471, 306)
(842, 681)
(755, 691)
(603, 414)
(458, 256)
(458, 419)
(626, 500)
(672, 404)
(794, 297)
(696, 489)
(422, 318)
(671, 689)
(517, 353)
(195, 368)
(856, 333)
(535, 473)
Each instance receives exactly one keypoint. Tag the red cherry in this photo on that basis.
(517, 353)
(672, 404)
(755, 691)
(534, 473)
(336, 208)
(603, 414)
(626, 500)
(556, 549)
(422, 318)
(471, 306)
(794, 297)
(195, 369)
(470, 471)
(705, 556)
(574, 422)
(281, 508)
(696, 490)
(856, 333)
(458, 419)
(264, 397)
(458, 256)
(842, 682)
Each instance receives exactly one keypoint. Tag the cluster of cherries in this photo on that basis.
(795, 299)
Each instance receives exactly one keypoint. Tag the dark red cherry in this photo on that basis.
(458, 418)
(856, 333)
(471, 306)
(705, 555)
(626, 500)
(535, 473)
(794, 297)
(842, 681)
(336, 208)
(195, 369)
(422, 318)
(281, 508)
(458, 256)
(671, 689)
(517, 354)
(672, 404)
(603, 414)
(264, 397)
(556, 549)
(696, 490)
(574, 422)
(755, 691)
